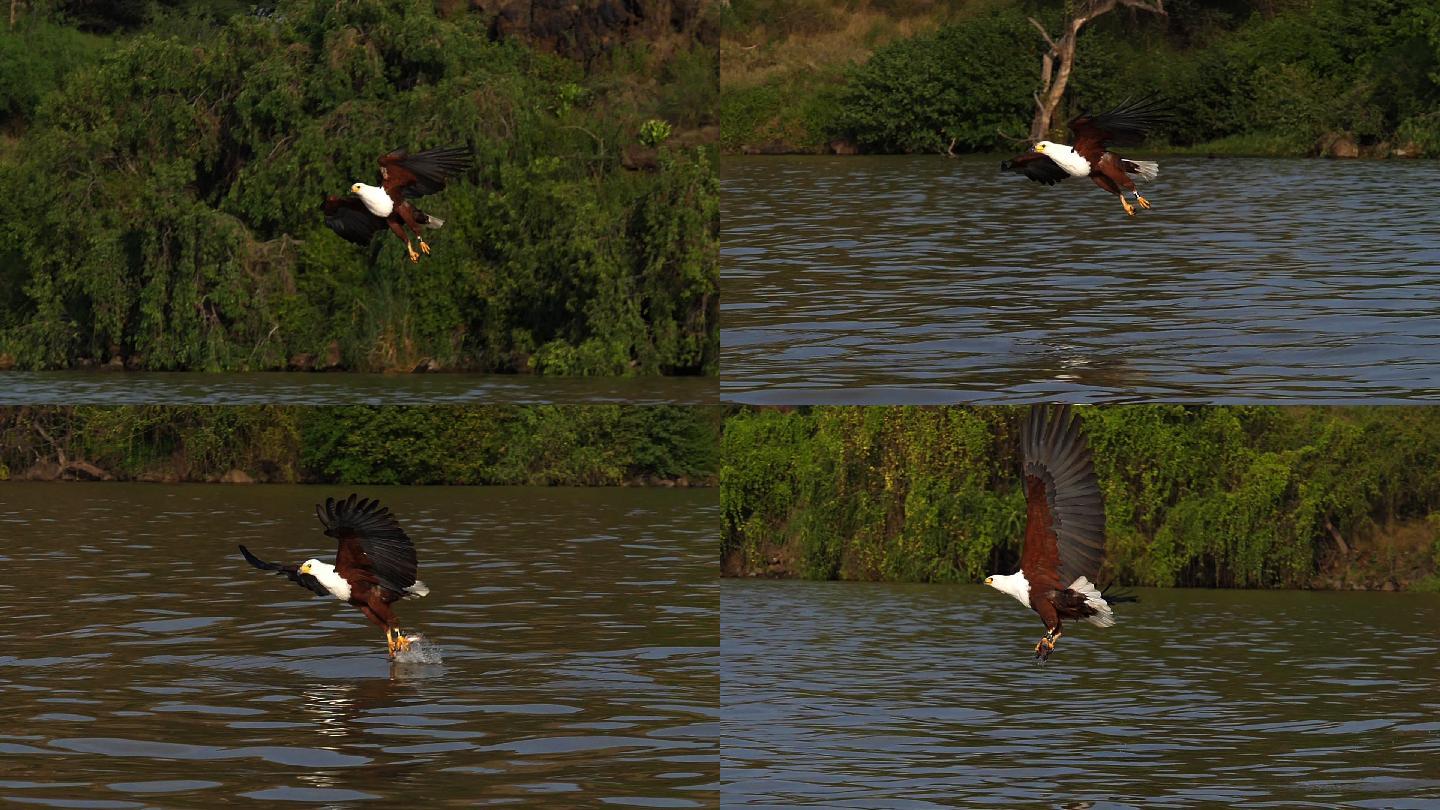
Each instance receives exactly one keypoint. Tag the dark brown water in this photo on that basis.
(881, 696)
(301, 388)
(143, 663)
(922, 279)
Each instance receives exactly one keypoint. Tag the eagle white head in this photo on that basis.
(375, 199)
(328, 576)
(1014, 584)
(1041, 146)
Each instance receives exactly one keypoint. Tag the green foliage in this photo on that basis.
(561, 445)
(1220, 496)
(654, 132)
(691, 88)
(36, 56)
(1244, 76)
(798, 114)
(172, 191)
(968, 82)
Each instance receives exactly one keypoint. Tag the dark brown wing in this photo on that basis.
(372, 545)
(407, 176)
(291, 571)
(1125, 125)
(1037, 167)
(349, 217)
(1065, 527)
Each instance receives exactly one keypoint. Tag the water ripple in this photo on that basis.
(925, 280)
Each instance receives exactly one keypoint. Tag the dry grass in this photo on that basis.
(761, 55)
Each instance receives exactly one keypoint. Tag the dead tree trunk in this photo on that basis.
(1055, 65)
(13, 4)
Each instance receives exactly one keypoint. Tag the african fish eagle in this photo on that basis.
(403, 177)
(1064, 528)
(1126, 125)
(374, 566)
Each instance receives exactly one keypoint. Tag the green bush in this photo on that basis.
(571, 445)
(968, 83)
(1220, 496)
(172, 217)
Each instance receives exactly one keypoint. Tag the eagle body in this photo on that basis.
(375, 199)
(1089, 156)
(1066, 158)
(403, 177)
(375, 564)
(1064, 528)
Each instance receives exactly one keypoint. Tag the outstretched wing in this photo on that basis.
(372, 545)
(349, 217)
(1065, 526)
(408, 176)
(1125, 125)
(1037, 167)
(291, 571)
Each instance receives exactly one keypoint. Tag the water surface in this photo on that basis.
(906, 696)
(921, 279)
(145, 664)
(340, 388)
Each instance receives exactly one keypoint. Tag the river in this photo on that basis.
(146, 664)
(913, 696)
(918, 279)
(341, 388)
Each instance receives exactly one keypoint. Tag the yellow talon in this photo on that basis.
(1129, 209)
(424, 248)
(414, 257)
(1144, 203)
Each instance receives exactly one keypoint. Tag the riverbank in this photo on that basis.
(1269, 497)
(1269, 80)
(569, 445)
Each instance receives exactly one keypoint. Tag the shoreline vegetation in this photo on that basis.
(545, 445)
(1265, 78)
(173, 155)
(1196, 496)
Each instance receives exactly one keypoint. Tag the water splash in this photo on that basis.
(422, 651)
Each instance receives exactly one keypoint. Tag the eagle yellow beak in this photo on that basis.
(987, 580)
(1039, 147)
(355, 188)
(305, 569)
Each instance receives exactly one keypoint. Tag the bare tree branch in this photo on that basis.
(1057, 62)
(1043, 33)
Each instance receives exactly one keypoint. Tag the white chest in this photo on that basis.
(334, 583)
(1069, 160)
(377, 201)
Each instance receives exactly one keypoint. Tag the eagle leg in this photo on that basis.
(1129, 209)
(1046, 645)
(424, 248)
(415, 257)
(1141, 201)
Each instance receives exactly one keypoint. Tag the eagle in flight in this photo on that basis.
(375, 564)
(1126, 125)
(403, 177)
(1064, 528)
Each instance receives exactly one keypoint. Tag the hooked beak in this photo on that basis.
(988, 579)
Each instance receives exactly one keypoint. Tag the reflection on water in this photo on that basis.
(145, 664)
(847, 695)
(301, 388)
(921, 279)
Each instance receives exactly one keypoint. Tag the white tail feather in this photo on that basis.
(432, 221)
(1147, 169)
(1102, 617)
(418, 589)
